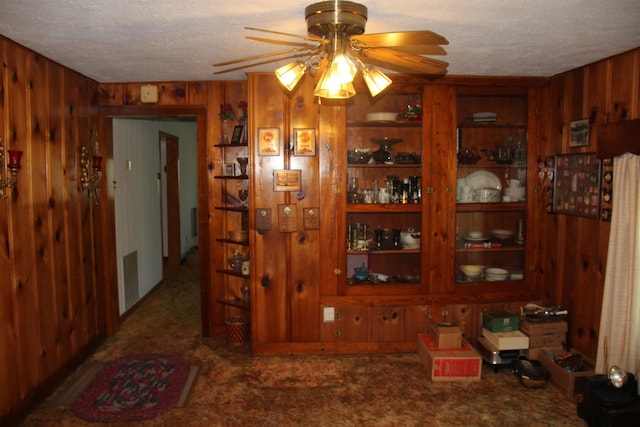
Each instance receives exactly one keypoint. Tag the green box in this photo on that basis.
(502, 321)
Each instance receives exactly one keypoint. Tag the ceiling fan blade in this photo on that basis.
(228, 70)
(400, 39)
(428, 49)
(315, 39)
(264, 55)
(406, 62)
(282, 42)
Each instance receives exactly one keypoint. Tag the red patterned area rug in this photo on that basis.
(132, 388)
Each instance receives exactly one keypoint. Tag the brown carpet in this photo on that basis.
(234, 389)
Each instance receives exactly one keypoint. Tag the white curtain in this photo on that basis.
(620, 317)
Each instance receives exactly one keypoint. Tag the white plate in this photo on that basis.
(483, 179)
(475, 239)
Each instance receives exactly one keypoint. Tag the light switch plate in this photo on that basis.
(149, 93)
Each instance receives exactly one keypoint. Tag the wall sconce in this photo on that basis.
(91, 168)
(8, 181)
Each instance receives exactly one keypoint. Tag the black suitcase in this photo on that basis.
(601, 404)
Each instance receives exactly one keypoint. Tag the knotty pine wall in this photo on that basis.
(52, 298)
(574, 249)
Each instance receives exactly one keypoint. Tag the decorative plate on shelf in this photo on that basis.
(483, 179)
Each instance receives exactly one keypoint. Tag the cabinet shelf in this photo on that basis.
(236, 303)
(228, 145)
(384, 207)
(500, 249)
(390, 166)
(234, 242)
(232, 208)
(491, 207)
(491, 125)
(231, 273)
(385, 124)
(238, 177)
(384, 252)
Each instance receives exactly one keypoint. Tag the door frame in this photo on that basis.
(108, 264)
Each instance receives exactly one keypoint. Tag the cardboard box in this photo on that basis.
(445, 336)
(545, 334)
(543, 328)
(514, 340)
(560, 377)
(461, 364)
(500, 322)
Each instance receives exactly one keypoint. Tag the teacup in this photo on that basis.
(513, 183)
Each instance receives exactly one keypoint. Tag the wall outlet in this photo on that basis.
(329, 315)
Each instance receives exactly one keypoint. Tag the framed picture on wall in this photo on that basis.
(304, 142)
(268, 141)
(577, 185)
(579, 133)
(236, 136)
(229, 169)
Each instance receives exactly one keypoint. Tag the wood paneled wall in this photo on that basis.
(574, 249)
(51, 294)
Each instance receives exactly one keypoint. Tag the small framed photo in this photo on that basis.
(236, 136)
(228, 169)
(579, 133)
(287, 180)
(304, 142)
(268, 141)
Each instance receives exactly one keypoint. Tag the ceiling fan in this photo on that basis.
(337, 47)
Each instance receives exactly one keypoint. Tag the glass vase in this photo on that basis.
(225, 132)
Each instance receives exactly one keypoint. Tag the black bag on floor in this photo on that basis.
(530, 372)
(602, 404)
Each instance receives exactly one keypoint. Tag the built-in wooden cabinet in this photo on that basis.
(383, 260)
(491, 197)
(383, 203)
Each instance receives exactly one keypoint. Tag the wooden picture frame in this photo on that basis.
(579, 133)
(228, 169)
(304, 142)
(576, 189)
(268, 141)
(236, 136)
(287, 180)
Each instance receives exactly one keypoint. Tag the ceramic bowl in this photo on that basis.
(358, 157)
(486, 195)
(410, 240)
(471, 271)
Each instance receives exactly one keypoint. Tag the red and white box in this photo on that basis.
(450, 364)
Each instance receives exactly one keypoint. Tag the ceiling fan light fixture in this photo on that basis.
(375, 79)
(289, 75)
(332, 88)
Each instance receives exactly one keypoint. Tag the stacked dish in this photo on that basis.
(515, 193)
(494, 274)
(475, 237)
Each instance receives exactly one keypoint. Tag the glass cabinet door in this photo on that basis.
(491, 187)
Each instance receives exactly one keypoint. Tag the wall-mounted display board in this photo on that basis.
(577, 185)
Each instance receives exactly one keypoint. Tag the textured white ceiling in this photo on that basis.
(168, 40)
